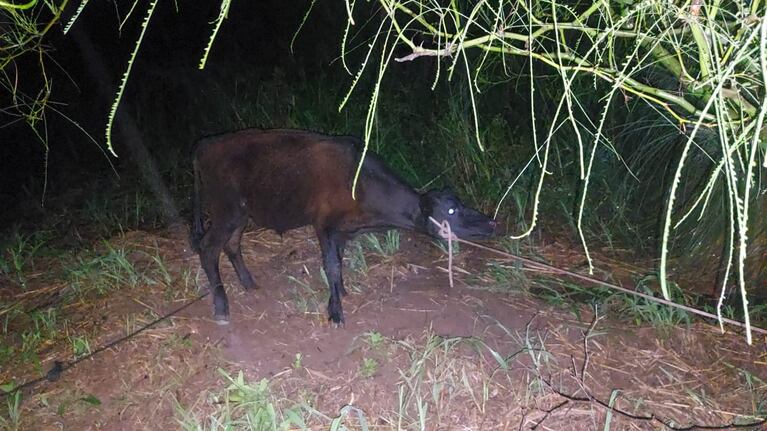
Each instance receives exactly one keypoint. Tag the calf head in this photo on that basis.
(466, 223)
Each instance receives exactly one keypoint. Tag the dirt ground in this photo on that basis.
(414, 354)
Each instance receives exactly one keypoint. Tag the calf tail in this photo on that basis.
(197, 232)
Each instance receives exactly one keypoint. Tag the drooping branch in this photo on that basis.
(688, 103)
(711, 51)
(666, 99)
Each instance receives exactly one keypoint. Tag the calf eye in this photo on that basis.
(451, 211)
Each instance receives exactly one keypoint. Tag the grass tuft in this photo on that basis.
(103, 272)
(243, 404)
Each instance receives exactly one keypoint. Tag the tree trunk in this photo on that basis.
(128, 132)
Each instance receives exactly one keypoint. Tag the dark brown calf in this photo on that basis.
(284, 179)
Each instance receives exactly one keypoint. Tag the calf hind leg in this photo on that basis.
(233, 251)
(332, 247)
(210, 251)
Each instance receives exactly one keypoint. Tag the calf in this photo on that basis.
(284, 179)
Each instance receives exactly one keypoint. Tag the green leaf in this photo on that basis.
(498, 358)
(8, 387)
(609, 416)
(92, 400)
(295, 418)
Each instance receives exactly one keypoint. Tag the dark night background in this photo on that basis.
(166, 92)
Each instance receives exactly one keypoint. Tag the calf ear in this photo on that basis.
(427, 203)
(447, 190)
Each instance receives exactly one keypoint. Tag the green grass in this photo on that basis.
(176, 284)
(385, 245)
(439, 375)
(80, 346)
(10, 413)
(756, 389)
(30, 343)
(306, 299)
(368, 367)
(103, 271)
(161, 273)
(17, 254)
(73, 401)
(733, 309)
(117, 208)
(26, 333)
(298, 361)
(436, 381)
(374, 339)
(355, 255)
(243, 404)
(501, 277)
(41, 327)
(7, 352)
(349, 414)
(445, 247)
(572, 296)
(45, 321)
(658, 315)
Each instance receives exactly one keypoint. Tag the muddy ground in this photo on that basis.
(415, 353)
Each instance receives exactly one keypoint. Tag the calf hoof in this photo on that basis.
(337, 320)
(221, 319)
(248, 283)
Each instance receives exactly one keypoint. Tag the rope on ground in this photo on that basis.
(446, 233)
(59, 367)
(538, 265)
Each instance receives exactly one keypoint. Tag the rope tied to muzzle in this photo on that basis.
(446, 233)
